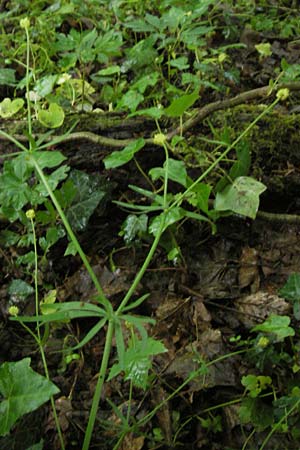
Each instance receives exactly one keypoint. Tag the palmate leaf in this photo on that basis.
(241, 197)
(90, 191)
(137, 361)
(23, 391)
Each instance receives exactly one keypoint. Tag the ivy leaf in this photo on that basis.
(90, 190)
(181, 104)
(134, 226)
(53, 117)
(241, 197)
(278, 325)
(291, 292)
(119, 158)
(8, 108)
(23, 391)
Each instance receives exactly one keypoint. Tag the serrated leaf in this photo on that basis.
(119, 158)
(53, 117)
(199, 196)
(181, 104)
(137, 362)
(23, 391)
(10, 107)
(241, 197)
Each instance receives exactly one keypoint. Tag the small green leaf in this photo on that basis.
(119, 158)
(130, 100)
(172, 216)
(278, 325)
(176, 171)
(19, 290)
(44, 86)
(134, 227)
(53, 117)
(255, 384)
(153, 112)
(241, 197)
(137, 362)
(71, 249)
(7, 77)
(291, 291)
(22, 391)
(8, 108)
(181, 104)
(46, 159)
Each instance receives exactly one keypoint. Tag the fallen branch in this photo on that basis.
(200, 115)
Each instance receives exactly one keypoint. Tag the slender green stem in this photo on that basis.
(15, 141)
(102, 298)
(248, 439)
(38, 336)
(27, 85)
(277, 425)
(180, 198)
(144, 267)
(100, 381)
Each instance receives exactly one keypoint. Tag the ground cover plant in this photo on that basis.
(148, 300)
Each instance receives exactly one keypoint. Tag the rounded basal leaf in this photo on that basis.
(8, 108)
(53, 117)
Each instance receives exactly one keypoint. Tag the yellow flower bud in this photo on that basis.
(25, 23)
(159, 139)
(13, 310)
(30, 214)
(283, 94)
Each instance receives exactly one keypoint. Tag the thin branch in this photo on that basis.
(200, 115)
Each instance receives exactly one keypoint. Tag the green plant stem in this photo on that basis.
(144, 267)
(180, 198)
(27, 86)
(102, 298)
(248, 439)
(100, 381)
(15, 141)
(277, 425)
(38, 337)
